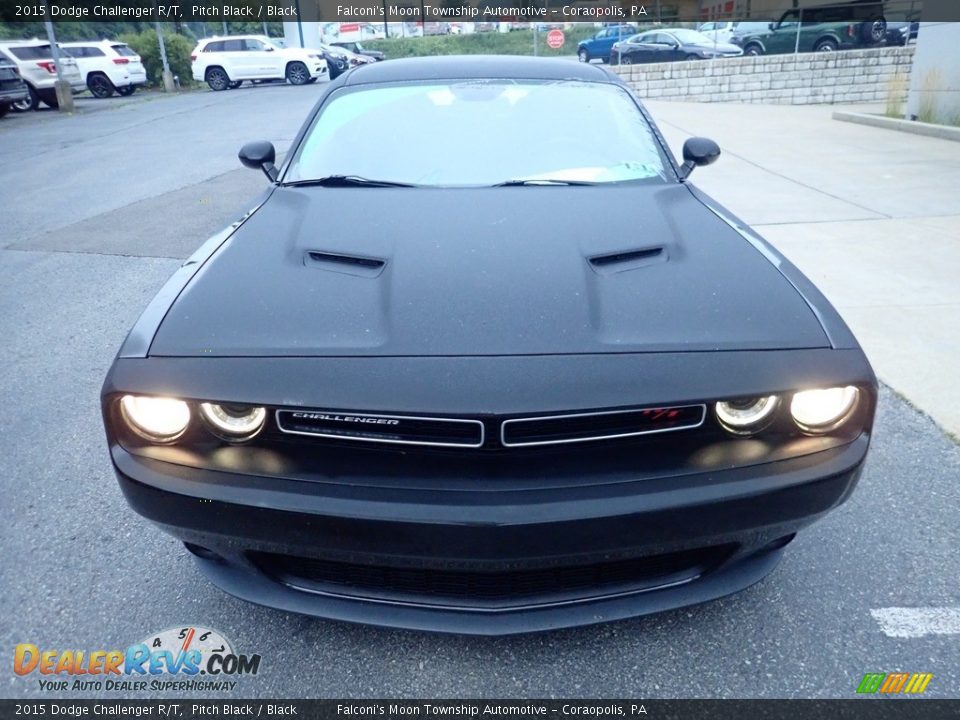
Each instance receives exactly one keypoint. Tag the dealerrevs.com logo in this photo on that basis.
(175, 660)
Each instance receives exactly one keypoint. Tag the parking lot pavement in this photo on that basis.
(81, 570)
(872, 216)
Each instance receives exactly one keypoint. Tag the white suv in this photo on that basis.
(107, 67)
(225, 62)
(34, 61)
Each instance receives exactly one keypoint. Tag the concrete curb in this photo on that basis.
(943, 132)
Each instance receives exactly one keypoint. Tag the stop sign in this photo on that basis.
(555, 39)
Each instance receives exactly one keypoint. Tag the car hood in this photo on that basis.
(491, 271)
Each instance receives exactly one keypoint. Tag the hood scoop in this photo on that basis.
(624, 260)
(357, 265)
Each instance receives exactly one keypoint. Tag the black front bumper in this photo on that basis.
(414, 558)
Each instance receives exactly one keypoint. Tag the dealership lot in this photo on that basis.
(99, 209)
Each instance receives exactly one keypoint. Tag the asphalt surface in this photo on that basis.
(97, 209)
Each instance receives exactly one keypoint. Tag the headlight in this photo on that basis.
(818, 411)
(157, 419)
(748, 415)
(234, 423)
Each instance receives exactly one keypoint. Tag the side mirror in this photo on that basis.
(698, 152)
(260, 155)
(772, 26)
(269, 49)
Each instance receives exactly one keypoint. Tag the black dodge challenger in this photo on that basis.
(482, 360)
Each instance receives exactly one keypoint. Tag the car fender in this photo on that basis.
(836, 330)
(138, 340)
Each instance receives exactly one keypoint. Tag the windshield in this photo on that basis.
(467, 133)
(691, 37)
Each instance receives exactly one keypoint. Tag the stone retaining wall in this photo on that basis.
(849, 76)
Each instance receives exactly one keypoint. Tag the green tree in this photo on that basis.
(178, 54)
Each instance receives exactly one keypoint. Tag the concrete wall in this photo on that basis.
(850, 76)
(935, 83)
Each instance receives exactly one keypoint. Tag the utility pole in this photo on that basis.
(63, 89)
(167, 75)
(265, 31)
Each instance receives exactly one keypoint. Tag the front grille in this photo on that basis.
(490, 432)
(581, 427)
(541, 586)
(399, 429)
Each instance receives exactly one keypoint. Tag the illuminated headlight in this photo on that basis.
(157, 419)
(818, 411)
(234, 423)
(748, 415)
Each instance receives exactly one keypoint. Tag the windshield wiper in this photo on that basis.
(533, 181)
(345, 181)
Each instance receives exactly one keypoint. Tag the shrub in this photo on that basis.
(178, 48)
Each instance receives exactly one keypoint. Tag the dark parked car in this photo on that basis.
(13, 90)
(900, 33)
(823, 29)
(598, 47)
(669, 45)
(491, 410)
(340, 59)
(337, 62)
(357, 48)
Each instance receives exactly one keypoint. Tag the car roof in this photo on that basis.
(234, 37)
(30, 42)
(458, 67)
(80, 43)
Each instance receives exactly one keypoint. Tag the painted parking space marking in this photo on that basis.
(901, 622)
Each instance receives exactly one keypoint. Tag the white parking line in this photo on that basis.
(902, 622)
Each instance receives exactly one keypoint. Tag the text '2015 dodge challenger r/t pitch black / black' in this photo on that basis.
(481, 360)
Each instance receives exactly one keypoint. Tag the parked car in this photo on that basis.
(339, 59)
(720, 32)
(357, 48)
(599, 46)
(225, 62)
(13, 90)
(34, 61)
(742, 29)
(901, 33)
(668, 45)
(820, 30)
(107, 67)
(537, 417)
